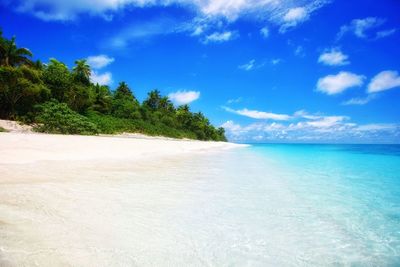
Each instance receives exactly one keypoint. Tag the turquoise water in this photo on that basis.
(284, 205)
(348, 194)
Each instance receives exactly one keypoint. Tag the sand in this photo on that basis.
(16, 148)
(15, 127)
(88, 200)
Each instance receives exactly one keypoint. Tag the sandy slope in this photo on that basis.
(13, 126)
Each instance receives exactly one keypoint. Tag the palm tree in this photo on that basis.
(39, 65)
(184, 108)
(184, 116)
(153, 100)
(82, 71)
(12, 55)
(123, 91)
(18, 83)
(166, 105)
(103, 99)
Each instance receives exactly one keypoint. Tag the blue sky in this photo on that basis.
(266, 70)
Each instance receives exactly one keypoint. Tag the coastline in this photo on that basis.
(19, 148)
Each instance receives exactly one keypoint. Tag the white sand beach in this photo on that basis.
(64, 200)
(28, 148)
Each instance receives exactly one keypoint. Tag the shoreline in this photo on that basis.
(20, 148)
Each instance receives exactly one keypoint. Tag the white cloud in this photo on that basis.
(377, 127)
(318, 120)
(295, 14)
(198, 30)
(237, 130)
(360, 27)
(184, 97)
(218, 37)
(327, 121)
(293, 17)
(248, 66)
(62, 10)
(251, 65)
(100, 61)
(209, 19)
(384, 80)
(330, 129)
(334, 57)
(335, 84)
(264, 32)
(255, 114)
(299, 51)
(385, 33)
(276, 61)
(102, 79)
(306, 127)
(229, 9)
(304, 114)
(233, 128)
(235, 100)
(359, 100)
(283, 12)
(143, 31)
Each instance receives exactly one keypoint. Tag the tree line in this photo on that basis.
(57, 99)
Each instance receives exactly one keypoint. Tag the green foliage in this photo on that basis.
(80, 97)
(64, 85)
(17, 84)
(103, 100)
(124, 104)
(81, 72)
(124, 92)
(108, 124)
(2, 130)
(81, 107)
(54, 117)
(12, 55)
(124, 108)
(152, 101)
(58, 79)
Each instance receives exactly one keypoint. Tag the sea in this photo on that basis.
(293, 205)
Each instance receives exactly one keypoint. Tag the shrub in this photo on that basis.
(54, 117)
(111, 125)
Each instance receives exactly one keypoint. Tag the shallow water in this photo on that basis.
(267, 205)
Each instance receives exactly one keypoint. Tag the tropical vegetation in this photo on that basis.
(61, 100)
